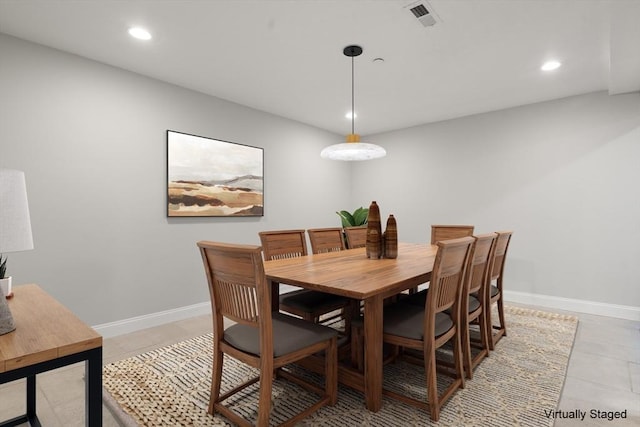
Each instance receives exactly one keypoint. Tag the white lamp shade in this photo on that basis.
(15, 222)
(353, 151)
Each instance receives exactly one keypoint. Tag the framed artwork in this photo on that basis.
(211, 177)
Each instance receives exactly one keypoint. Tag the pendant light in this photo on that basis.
(353, 149)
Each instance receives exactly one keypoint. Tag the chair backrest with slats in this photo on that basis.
(356, 237)
(480, 261)
(447, 232)
(447, 277)
(502, 244)
(237, 284)
(283, 244)
(326, 240)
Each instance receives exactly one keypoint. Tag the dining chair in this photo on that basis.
(326, 240)
(495, 292)
(436, 323)
(474, 299)
(263, 339)
(356, 237)
(331, 240)
(441, 232)
(308, 304)
(446, 232)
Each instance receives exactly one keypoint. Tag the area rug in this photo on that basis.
(520, 380)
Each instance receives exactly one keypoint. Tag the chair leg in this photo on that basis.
(266, 382)
(216, 377)
(489, 327)
(331, 372)
(466, 346)
(457, 355)
(503, 326)
(432, 382)
(484, 338)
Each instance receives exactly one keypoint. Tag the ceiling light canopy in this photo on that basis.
(353, 149)
(550, 65)
(139, 33)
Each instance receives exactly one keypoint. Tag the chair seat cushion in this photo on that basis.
(289, 334)
(312, 301)
(407, 320)
(420, 298)
(494, 291)
(474, 304)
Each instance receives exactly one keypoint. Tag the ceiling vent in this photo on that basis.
(422, 12)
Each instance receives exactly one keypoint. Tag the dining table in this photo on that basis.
(351, 274)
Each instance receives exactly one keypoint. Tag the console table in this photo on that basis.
(49, 336)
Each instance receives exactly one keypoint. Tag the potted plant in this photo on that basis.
(355, 219)
(5, 282)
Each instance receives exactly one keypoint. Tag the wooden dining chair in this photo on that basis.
(441, 232)
(495, 292)
(308, 304)
(331, 240)
(474, 299)
(326, 240)
(356, 237)
(446, 232)
(263, 339)
(431, 326)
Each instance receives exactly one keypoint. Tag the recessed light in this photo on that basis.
(348, 115)
(550, 65)
(139, 33)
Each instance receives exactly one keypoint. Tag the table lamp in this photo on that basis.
(15, 229)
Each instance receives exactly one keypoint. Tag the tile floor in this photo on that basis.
(603, 373)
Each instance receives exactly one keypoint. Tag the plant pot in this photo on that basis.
(5, 286)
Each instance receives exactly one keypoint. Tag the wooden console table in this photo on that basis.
(49, 336)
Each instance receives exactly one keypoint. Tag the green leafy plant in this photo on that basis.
(358, 217)
(3, 267)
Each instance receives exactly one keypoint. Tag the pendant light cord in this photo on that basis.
(353, 112)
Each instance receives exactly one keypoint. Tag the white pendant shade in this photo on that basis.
(350, 151)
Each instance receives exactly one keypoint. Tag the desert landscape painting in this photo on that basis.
(211, 177)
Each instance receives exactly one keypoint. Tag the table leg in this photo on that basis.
(275, 295)
(31, 399)
(93, 388)
(373, 352)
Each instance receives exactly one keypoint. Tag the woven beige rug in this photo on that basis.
(521, 379)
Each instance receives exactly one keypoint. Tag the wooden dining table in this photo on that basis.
(351, 274)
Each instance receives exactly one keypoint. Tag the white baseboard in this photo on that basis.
(133, 324)
(581, 306)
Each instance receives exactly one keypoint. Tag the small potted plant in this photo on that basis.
(355, 219)
(5, 282)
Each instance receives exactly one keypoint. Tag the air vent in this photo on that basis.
(419, 10)
(422, 13)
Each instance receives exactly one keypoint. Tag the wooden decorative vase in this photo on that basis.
(391, 238)
(374, 232)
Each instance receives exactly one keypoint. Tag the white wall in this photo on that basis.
(91, 140)
(563, 175)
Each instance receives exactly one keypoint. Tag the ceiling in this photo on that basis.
(285, 57)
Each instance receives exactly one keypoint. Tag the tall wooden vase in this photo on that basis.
(374, 232)
(391, 238)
